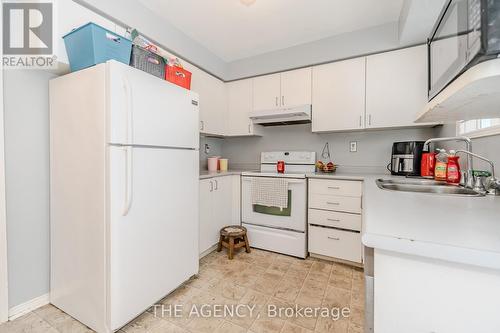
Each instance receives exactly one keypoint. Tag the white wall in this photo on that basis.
(27, 182)
(4, 301)
(357, 43)
(131, 13)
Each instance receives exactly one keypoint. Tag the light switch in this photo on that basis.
(353, 146)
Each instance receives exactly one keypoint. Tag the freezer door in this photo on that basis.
(145, 110)
(153, 226)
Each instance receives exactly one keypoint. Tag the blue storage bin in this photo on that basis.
(92, 44)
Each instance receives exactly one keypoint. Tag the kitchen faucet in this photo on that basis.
(469, 176)
(493, 186)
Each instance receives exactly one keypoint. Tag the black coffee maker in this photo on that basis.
(406, 158)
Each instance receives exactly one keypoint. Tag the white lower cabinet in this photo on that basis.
(336, 203)
(334, 218)
(416, 294)
(335, 243)
(219, 207)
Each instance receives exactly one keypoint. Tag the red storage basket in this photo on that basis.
(178, 76)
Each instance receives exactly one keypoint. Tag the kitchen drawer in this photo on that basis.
(349, 188)
(335, 203)
(335, 219)
(335, 243)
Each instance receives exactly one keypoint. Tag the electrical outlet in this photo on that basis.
(353, 146)
(207, 149)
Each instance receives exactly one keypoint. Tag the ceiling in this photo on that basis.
(232, 30)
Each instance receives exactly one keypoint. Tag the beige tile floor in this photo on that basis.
(257, 279)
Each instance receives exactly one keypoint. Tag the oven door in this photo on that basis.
(455, 41)
(294, 217)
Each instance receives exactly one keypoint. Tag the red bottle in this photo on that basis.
(453, 174)
(280, 167)
(428, 164)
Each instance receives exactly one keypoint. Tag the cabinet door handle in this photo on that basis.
(276, 100)
(202, 125)
(211, 186)
(333, 220)
(216, 185)
(334, 187)
(282, 100)
(249, 128)
(359, 121)
(333, 203)
(370, 119)
(334, 238)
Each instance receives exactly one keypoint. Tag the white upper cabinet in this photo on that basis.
(338, 96)
(267, 92)
(239, 105)
(396, 87)
(296, 87)
(287, 89)
(213, 106)
(219, 106)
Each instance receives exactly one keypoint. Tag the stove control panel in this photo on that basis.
(290, 157)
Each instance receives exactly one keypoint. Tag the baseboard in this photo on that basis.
(24, 308)
(208, 251)
(341, 261)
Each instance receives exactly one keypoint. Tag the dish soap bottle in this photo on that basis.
(453, 174)
(441, 165)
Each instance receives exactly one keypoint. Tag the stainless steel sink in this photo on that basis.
(425, 186)
(413, 181)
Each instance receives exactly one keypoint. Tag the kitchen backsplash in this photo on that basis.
(373, 147)
(215, 146)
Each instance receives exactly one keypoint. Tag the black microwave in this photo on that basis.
(467, 32)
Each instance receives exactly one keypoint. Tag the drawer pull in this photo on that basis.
(334, 187)
(333, 203)
(334, 238)
(333, 220)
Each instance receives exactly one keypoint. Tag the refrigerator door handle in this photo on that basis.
(128, 180)
(129, 111)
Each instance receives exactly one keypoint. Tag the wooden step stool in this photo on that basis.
(233, 237)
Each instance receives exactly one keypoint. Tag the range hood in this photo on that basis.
(475, 94)
(283, 116)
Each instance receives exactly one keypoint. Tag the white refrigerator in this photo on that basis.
(124, 168)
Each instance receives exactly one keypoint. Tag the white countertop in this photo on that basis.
(205, 174)
(453, 228)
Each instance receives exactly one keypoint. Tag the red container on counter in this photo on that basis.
(280, 166)
(178, 76)
(453, 174)
(428, 164)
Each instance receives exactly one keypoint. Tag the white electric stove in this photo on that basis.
(271, 228)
